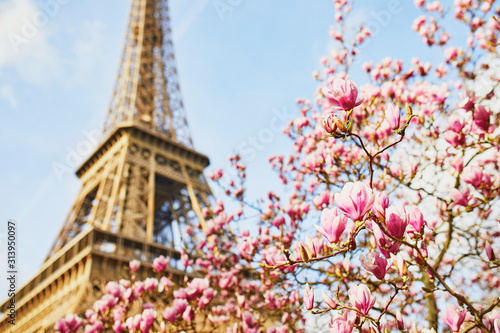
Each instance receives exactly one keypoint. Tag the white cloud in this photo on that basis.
(23, 41)
(7, 93)
(27, 46)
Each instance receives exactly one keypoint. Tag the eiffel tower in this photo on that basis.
(143, 182)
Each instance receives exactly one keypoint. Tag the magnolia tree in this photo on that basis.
(400, 179)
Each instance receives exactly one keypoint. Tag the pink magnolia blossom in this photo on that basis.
(473, 176)
(134, 265)
(467, 103)
(393, 116)
(415, 219)
(453, 138)
(115, 289)
(164, 284)
(150, 284)
(434, 6)
(96, 327)
(118, 327)
(188, 314)
(455, 124)
(496, 325)
(342, 93)
(160, 263)
(308, 297)
(386, 246)
(399, 319)
(169, 314)
(396, 221)
(313, 246)
(460, 198)
(180, 305)
(419, 3)
(279, 221)
(106, 303)
(148, 318)
(374, 264)
(340, 324)
(489, 252)
(457, 163)
(361, 298)
(418, 22)
(482, 118)
(355, 200)
(454, 318)
(332, 225)
(380, 204)
(71, 323)
(329, 124)
(328, 300)
(400, 264)
(322, 199)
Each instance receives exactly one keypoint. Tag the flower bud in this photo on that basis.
(303, 253)
(409, 111)
(340, 125)
(308, 297)
(328, 300)
(329, 124)
(489, 252)
(393, 116)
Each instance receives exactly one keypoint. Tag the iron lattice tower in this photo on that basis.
(143, 182)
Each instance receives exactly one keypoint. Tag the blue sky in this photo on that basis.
(239, 70)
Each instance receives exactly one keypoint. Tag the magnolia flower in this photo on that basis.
(415, 219)
(374, 264)
(160, 263)
(393, 116)
(460, 198)
(328, 300)
(386, 246)
(329, 124)
(340, 324)
(188, 314)
(453, 138)
(342, 93)
(361, 298)
(473, 176)
(332, 225)
(454, 318)
(71, 323)
(134, 265)
(180, 305)
(169, 314)
(396, 221)
(400, 264)
(380, 204)
(308, 297)
(489, 252)
(482, 118)
(115, 289)
(355, 200)
(150, 284)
